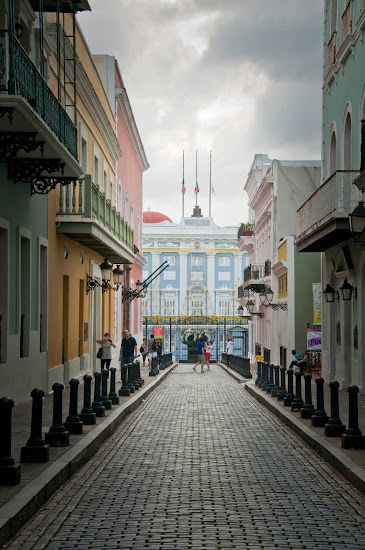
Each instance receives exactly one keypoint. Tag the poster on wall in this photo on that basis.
(317, 303)
(314, 340)
(158, 333)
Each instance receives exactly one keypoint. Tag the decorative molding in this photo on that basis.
(130, 123)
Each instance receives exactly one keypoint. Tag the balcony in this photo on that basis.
(331, 50)
(267, 268)
(27, 104)
(246, 238)
(323, 219)
(86, 216)
(347, 21)
(253, 277)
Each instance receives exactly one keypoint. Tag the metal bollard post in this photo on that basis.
(154, 368)
(282, 392)
(139, 376)
(112, 393)
(289, 398)
(265, 376)
(36, 449)
(308, 409)
(135, 382)
(131, 385)
(259, 375)
(297, 403)
(319, 418)
(87, 416)
(57, 435)
(270, 385)
(334, 426)
(353, 438)
(97, 405)
(9, 471)
(276, 388)
(124, 391)
(73, 422)
(104, 390)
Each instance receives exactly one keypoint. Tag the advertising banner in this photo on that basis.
(317, 303)
(314, 340)
(158, 333)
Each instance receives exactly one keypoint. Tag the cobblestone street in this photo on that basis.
(198, 465)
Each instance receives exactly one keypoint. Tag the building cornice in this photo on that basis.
(128, 118)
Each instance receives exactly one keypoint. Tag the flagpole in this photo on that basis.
(183, 194)
(196, 177)
(210, 185)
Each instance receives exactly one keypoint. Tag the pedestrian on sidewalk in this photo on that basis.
(159, 350)
(208, 350)
(144, 351)
(229, 349)
(297, 357)
(128, 349)
(106, 345)
(152, 350)
(200, 346)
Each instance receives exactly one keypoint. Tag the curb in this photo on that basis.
(234, 374)
(15, 513)
(338, 460)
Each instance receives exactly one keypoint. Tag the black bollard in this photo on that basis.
(308, 409)
(131, 385)
(112, 393)
(353, 438)
(276, 388)
(104, 390)
(73, 422)
(97, 405)
(319, 418)
(57, 435)
(87, 416)
(9, 471)
(334, 426)
(282, 392)
(135, 382)
(259, 375)
(265, 376)
(154, 367)
(297, 403)
(124, 391)
(36, 449)
(270, 385)
(289, 398)
(139, 372)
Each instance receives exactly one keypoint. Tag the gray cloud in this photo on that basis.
(234, 76)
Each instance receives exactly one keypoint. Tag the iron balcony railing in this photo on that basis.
(25, 80)
(336, 198)
(245, 228)
(253, 273)
(267, 268)
(84, 199)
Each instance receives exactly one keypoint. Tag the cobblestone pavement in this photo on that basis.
(201, 465)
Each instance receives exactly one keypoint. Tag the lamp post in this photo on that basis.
(347, 290)
(329, 294)
(357, 218)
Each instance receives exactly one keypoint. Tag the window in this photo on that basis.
(96, 166)
(197, 261)
(132, 216)
(126, 212)
(347, 144)
(43, 298)
(139, 232)
(4, 285)
(224, 261)
(146, 304)
(333, 16)
(171, 260)
(333, 154)
(111, 187)
(168, 306)
(283, 286)
(24, 271)
(119, 205)
(83, 154)
(105, 179)
(224, 307)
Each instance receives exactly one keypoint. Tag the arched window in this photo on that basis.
(132, 216)
(332, 163)
(139, 232)
(347, 144)
(126, 211)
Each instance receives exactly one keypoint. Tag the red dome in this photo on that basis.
(155, 217)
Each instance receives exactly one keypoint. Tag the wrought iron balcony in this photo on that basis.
(20, 77)
(347, 21)
(323, 219)
(253, 274)
(86, 216)
(267, 268)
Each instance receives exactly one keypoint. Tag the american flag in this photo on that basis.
(196, 190)
(183, 189)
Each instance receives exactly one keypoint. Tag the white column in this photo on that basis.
(183, 283)
(211, 282)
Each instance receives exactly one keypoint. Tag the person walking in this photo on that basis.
(152, 349)
(229, 349)
(144, 351)
(200, 346)
(106, 345)
(159, 351)
(208, 351)
(128, 349)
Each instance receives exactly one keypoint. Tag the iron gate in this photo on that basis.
(180, 334)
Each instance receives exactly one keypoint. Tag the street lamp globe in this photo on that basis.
(357, 218)
(106, 270)
(139, 286)
(262, 297)
(118, 275)
(346, 290)
(269, 295)
(329, 294)
(250, 306)
(240, 311)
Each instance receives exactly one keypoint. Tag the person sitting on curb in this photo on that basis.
(302, 363)
(297, 356)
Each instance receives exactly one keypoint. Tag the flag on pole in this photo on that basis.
(183, 189)
(196, 190)
(213, 190)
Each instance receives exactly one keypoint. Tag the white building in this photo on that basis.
(276, 189)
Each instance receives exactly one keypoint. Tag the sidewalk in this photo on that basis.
(349, 462)
(39, 481)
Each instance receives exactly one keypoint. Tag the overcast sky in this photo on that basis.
(237, 77)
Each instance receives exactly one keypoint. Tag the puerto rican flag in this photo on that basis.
(183, 189)
(196, 190)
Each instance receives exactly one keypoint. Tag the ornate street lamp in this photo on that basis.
(118, 277)
(347, 290)
(106, 270)
(262, 297)
(250, 306)
(329, 294)
(240, 311)
(357, 218)
(269, 295)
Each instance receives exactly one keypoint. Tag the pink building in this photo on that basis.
(127, 189)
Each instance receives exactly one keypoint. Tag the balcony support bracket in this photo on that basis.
(9, 111)
(12, 142)
(43, 184)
